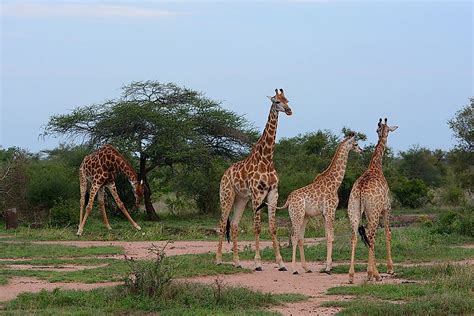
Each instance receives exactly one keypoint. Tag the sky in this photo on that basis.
(340, 63)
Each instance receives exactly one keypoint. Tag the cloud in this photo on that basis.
(91, 10)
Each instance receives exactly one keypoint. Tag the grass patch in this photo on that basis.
(448, 292)
(29, 250)
(406, 245)
(180, 299)
(185, 266)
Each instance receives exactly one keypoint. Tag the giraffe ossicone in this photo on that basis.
(255, 179)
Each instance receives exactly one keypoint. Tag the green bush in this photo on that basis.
(453, 195)
(50, 182)
(456, 222)
(411, 193)
(149, 278)
(64, 212)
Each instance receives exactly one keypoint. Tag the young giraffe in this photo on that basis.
(253, 178)
(100, 169)
(319, 197)
(370, 195)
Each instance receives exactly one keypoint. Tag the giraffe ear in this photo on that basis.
(276, 91)
(270, 98)
(392, 128)
(141, 182)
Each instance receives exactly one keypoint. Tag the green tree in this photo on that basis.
(462, 125)
(161, 125)
(424, 164)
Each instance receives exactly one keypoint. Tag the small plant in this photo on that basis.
(219, 287)
(149, 278)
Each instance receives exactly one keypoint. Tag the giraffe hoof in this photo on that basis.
(309, 271)
(295, 273)
(282, 269)
(79, 233)
(258, 269)
(109, 227)
(138, 227)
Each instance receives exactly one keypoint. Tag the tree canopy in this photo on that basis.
(162, 125)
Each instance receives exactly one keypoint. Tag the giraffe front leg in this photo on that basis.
(304, 264)
(113, 191)
(329, 228)
(257, 226)
(83, 190)
(100, 197)
(272, 200)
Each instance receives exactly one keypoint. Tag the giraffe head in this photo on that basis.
(138, 189)
(383, 129)
(280, 102)
(352, 144)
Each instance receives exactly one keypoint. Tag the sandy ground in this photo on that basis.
(270, 279)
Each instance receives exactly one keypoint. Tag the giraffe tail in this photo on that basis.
(227, 230)
(280, 207)
(363, 235)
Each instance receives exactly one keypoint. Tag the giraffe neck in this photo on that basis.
(376, 160)
(337, 168)
(125, 167)
(266, 144)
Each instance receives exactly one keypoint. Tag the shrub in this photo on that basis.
(149, 278)
(458, 222)
(50, 182)
(453, 195)
(64, 212)
(411, 193)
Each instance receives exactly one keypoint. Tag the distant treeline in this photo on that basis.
(180, 143)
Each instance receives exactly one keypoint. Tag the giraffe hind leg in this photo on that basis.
(227, 197)
(272, 199)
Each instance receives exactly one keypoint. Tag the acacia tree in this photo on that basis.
(161, 125)
(462, 125)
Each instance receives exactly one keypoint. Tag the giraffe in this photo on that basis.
(100, 169)
(369, 194)
(319, 197)
(253, 178)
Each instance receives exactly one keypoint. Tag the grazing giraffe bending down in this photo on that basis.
(254, 178)
(100, 169)
(370, 195)
(319, 197)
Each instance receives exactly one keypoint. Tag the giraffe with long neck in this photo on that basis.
(100, 169)
(319, 198)
(253, 178)
(370, 195)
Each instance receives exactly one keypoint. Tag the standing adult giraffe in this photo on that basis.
(319, 198)
(100, 169)
(253, 178)
(370, 195)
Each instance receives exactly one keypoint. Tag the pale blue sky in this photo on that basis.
(340, 63)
